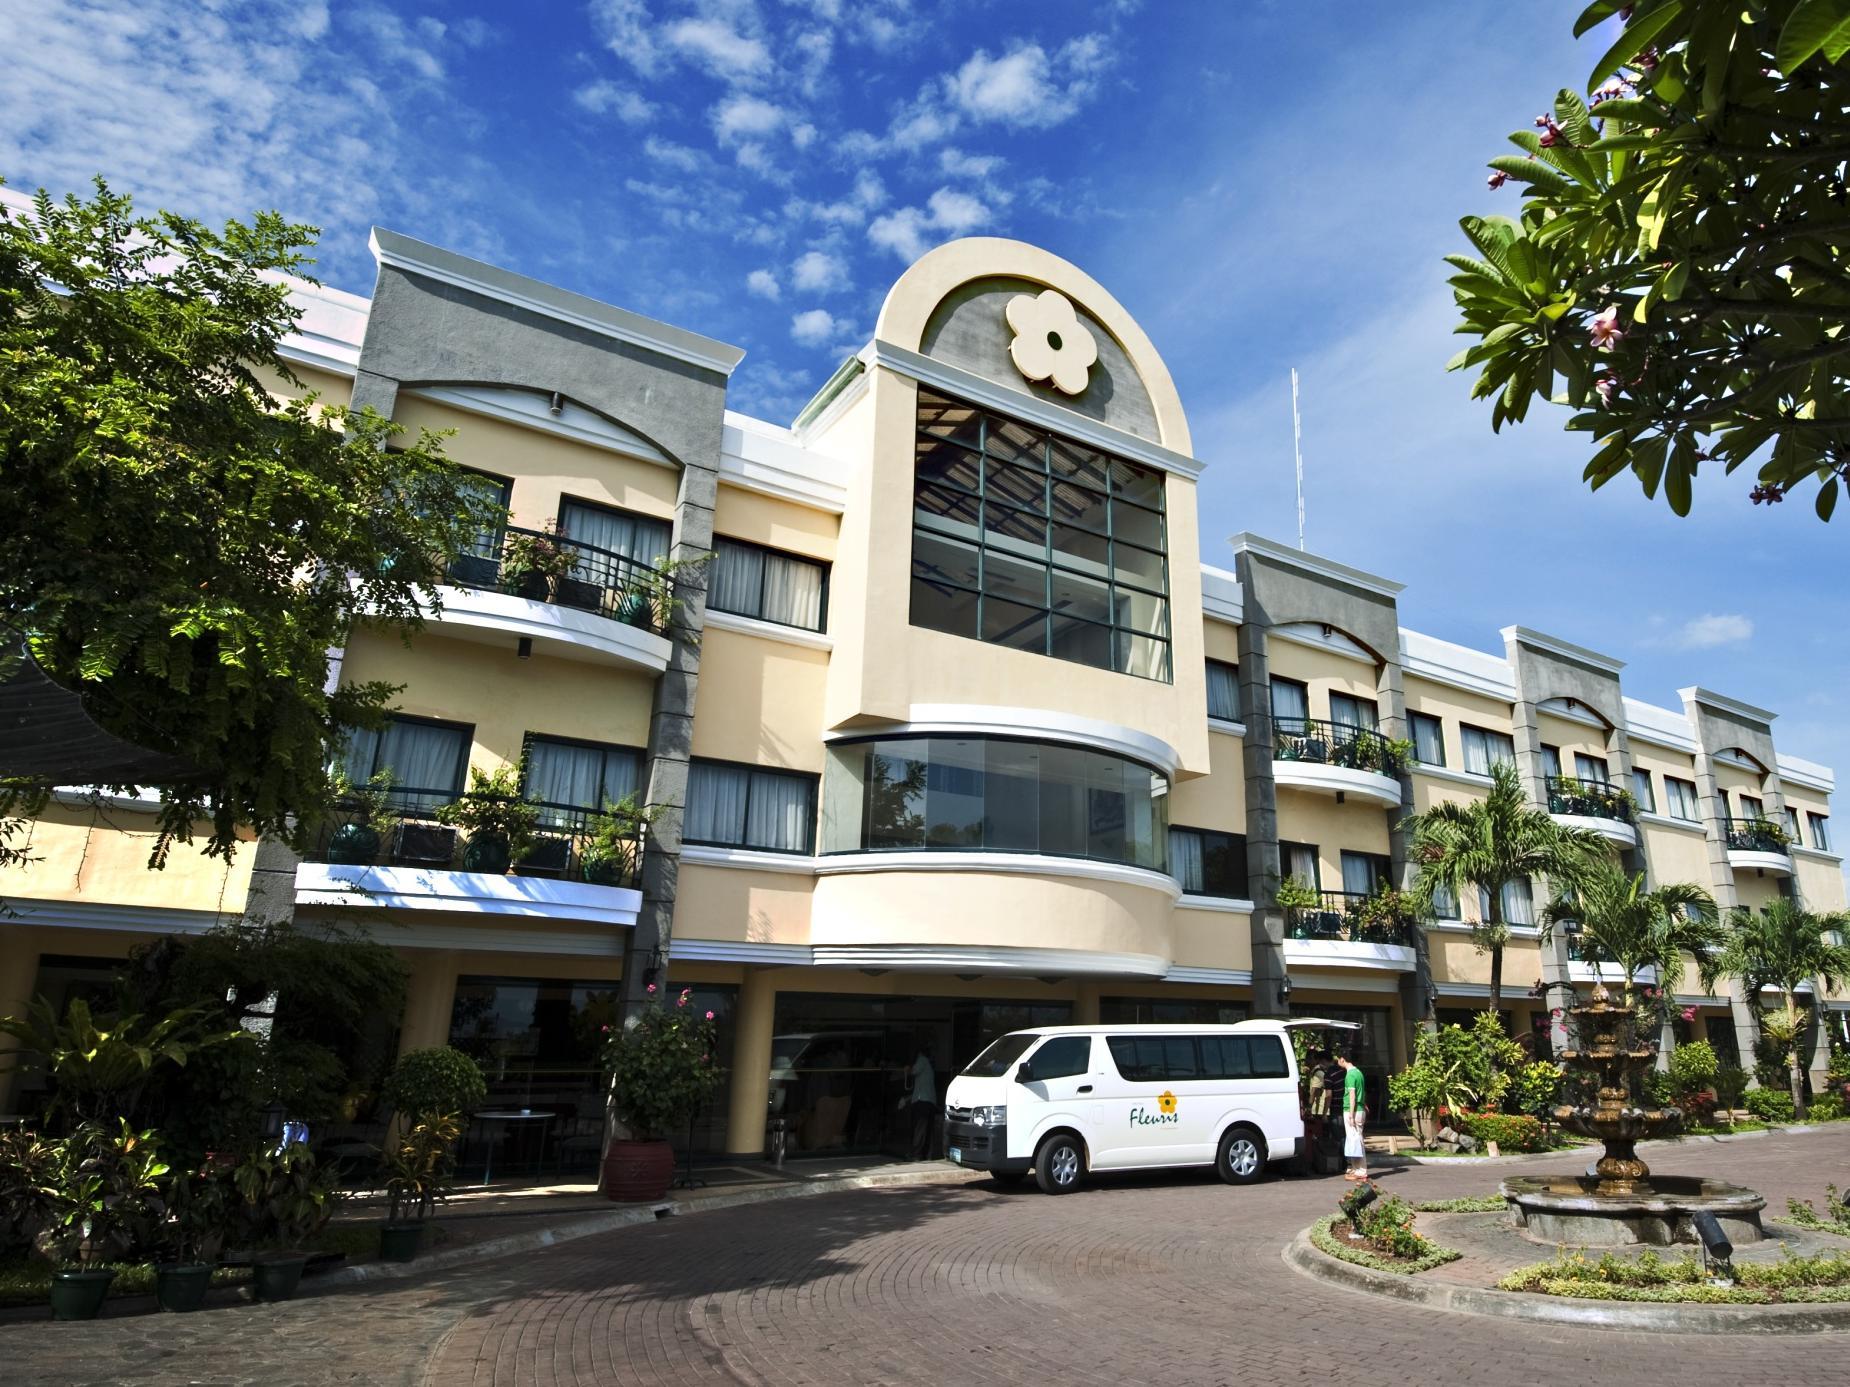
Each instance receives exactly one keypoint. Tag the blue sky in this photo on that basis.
(1262, 184)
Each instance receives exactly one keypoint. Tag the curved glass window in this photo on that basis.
(993, 794)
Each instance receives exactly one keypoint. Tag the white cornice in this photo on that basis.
(1651, 820)
(528, 409)
(1456, 666)
(1666, 727)
(1212, 977)
(463, 893)
(1446, 773)
(761, 457)
(981, 958)
(1221, 598)
(1339, 953)
(1226, 904)
(979, 390)
(767, 630)
(1566, 650)
(1003, 863)
(984, 720)
(808, 426)
(549, 301)
(1807, 773)
(1225, 728)
(682, 950)
(1704, 698)
(1836, 859)
(137, 919)
(1315, 565)
(747, 859)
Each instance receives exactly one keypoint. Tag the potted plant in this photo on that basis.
(536, 565)
(283, 1200)
(662, 1068)
(198, 1207)
(649, 599)
(612, 850)
(417, 1169)
(104, 1200)
(499, 823)
(438, 1079)
(356, 842)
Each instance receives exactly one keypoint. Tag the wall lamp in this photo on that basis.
(523, 648)
(557, 404)
(1284, 990)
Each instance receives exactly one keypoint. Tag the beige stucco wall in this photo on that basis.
(1218, 799)
(735, 904)
(779, 524)
(101, 856)
(1310, 816)
(1325, 671)
(1213, 939)
(760, 700)
(1678, 854)
(1220, 641)
(1573, 737)
(1453, 707)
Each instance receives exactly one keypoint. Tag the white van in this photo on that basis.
(1064, 1100)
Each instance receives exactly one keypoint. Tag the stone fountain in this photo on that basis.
(1618, 1201)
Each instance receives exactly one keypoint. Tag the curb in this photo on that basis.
(591, 1224)
(1302, 1257)
(1661, 1144)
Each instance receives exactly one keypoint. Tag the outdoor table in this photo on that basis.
(521, 1115)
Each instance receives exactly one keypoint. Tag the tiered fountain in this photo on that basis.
(1618, 1201)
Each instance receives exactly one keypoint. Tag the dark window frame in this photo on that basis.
(526, 745)
(1211, 664)
(1695, 797)
(1236, 843)
(1413, 725)
(822, 607)
(461, 777)
(752, 768)
(1820, 826)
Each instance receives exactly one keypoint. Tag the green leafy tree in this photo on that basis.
(1676, 276)
(662, 1067)
(1487, 844)
(1783, 949)
(181, 546)
(1624, 924)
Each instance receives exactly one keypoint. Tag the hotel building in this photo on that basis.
(954, 733)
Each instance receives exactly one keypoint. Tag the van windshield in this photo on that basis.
(1000, 1057)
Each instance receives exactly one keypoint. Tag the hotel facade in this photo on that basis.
(952, 734)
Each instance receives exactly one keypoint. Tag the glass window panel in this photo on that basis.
(792, 592)
(1081, 549)
(1010, 442)
(1186, 863)
(716, 798)
(1017, 486)
(1084, 641)
(1590, 767)
(1551, 759)
(1358, 873)
(1444, 902)
(641, 538)
(943, 608)
(780, 812)
(1074, 462)
(1145, 656)
(1347, 711)
(894, 792)
(1063, 1057)
(564, 773)
(1142, 613)
(1014, 530)
(938, 461)
(1642, 792)
(1063, 801)
(1820, 831)
(1223, 691)
(735, 580)
(1074, 595)
(1751, 808)
(1074, 505)
(941, 560)
(1290, 703)
(1011, 799)
(1428, 740)
(954, 793)
(1142, 567)
(1106, 820)
(1007, 576)
(1140, 484)
(1136, 525)
(943, 509)
(949, 418)
(1016, 626)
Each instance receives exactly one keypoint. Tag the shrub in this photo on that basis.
(1388, 1226)
(1510, 1131)
(1730, 1085)
(1698, 1109)
(1659, 1089)
(437, 1080)
(1693, 1068)
(1836, 1217)
(1770, 1105)
(418, 1167)
(27, 1163)
(662, 1068)
(104, 1195)
(282, 1198)
(1826, 1107)
(1534, 1089)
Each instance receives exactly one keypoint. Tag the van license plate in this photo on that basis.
(956, 1154)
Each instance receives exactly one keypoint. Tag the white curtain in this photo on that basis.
(1223, 691)
(1352, 712)
(1518, 903)
(1477, 750)
(1185, 863)
(1358, 874)
(420, 756)
(716, 804)
(1444, 902)
(638, 537)
(1589, 768)
(1641, 791)
(737, 578)
(792, 592)
(1290, 700)
(585, 777)
(1428, 741)
(1301, 863)
(1551, 760)
(780, 811)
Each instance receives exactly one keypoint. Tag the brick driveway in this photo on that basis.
(1172, 1280)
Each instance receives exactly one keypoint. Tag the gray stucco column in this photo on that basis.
(1526, 734)
(1262, 858)
(1416, 987)
(1743, 1009)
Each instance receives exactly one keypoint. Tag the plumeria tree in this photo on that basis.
(1784, 948)
(1634, 929)
(1487, 844)
(1676, 274)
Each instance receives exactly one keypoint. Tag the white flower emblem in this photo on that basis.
(1050, 341)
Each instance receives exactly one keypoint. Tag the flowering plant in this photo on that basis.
(661, 1067)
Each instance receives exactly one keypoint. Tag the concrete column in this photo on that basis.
(751, 1064)
(1526, 733)
(430, 997)
(1744, 1009)
(19, 976)
(1085, 1004)
(374, 391)
(1262, 860)
(1416, 990)
(270, 898)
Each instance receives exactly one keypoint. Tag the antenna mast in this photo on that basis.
(1297, 454)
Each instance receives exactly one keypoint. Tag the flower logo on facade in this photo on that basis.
(1050, 343)
(1167, 1102)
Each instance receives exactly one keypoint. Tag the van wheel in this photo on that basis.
(1059, 1164)
(1242, 1156)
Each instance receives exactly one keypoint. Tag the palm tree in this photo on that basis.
(1488, 843)
(1783, 948)
(1624, 924)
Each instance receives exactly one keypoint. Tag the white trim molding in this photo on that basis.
(756, 456)
(1774, 864)
(1560, 649)
(1226, 728)
(1456, 666)
(1212, 977)
(1227, 905)
(1221, 596)
(1446, 773)
(986, 958)
(985, 720)
(1706, 698)
(1836, 859)
(1343, 953)
(1315, 565)
(565, 632)
(1666, 821)
(1007, 863)
(1031, 409)
(1609, 974)
(463, 893)
(682, 950)
(1810, 774)
(1318, 778)
(768, 630)
(1615, 830)
(137, 919)
(412, 256)
(748, 859)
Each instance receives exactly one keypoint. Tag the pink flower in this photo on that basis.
(709, 1016)
(1607, 387)
(1689, 1013)
(1497, 180)
(1605, 330)
(651, 989)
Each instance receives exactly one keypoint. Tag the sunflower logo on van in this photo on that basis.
(1165, 1114)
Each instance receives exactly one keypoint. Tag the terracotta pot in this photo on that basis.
(638, 1172)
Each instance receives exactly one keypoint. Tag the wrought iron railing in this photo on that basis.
(1758, 835)
(1334, 744)
(1351, 917)
(1594, 799)
(545, 566)
(409, 834)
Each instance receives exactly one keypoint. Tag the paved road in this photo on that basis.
(1174, 1281)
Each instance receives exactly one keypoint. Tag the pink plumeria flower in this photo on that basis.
(709, 1016)
(1607, 387)
(651, 989)
(1497, 179)
(1605, 330)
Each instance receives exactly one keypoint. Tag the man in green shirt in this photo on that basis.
(1355, 1113)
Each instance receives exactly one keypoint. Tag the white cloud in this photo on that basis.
(742, 117)
(626, 30)
(1713, 629)
(1027, 88)
(395, 42)
(311, 20)
(817, 271)
(814, 327)
(677, 156)
(718, 47)
(957, 164)
(610, 98)
(764, 284)
(909, 232)
(956, 212)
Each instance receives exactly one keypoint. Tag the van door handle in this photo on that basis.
(1085, 1088)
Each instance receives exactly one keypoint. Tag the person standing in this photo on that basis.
(924, 1101)
(1355, 1114)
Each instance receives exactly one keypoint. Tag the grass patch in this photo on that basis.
(1746, 1124)
(1327, 1240)
(1835, 1218)
(1651, 1278)
(1472, 1204)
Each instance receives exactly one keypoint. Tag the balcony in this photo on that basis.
(1582, 969)
(1335, 758)
(1351, 929)
(566, 597)
(1759, 845)
(1609, 810)
(411, 861)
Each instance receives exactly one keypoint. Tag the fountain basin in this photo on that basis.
(1569, 1210)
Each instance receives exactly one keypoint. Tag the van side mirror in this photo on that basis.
(1024, 1073)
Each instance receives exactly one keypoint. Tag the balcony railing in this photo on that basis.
(1352, 917)
(544, 566)
(1335, 744)
(1758, 835)
(409, 834)
(1592, 799)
